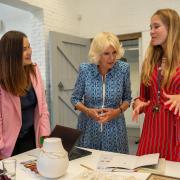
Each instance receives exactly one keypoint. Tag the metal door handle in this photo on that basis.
(61, 87)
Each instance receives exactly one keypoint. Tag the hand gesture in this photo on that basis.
(94, 113)
(108, 114)
(138, 106)
(174, 102)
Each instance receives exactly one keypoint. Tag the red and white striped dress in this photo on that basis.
(161, 130)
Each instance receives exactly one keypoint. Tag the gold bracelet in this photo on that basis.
(87, 111)
(121, 110)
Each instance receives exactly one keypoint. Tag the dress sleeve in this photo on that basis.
(144, 93)
(127, 87)
(79, 88)
(174, 89)
(177, 117)
(44, 119)
(1, 124)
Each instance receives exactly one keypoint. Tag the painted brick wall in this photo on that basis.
(55, 15)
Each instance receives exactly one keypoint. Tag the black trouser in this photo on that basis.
(25, 143)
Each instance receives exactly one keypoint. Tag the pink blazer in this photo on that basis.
(11, 120)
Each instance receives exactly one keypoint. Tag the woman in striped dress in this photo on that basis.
(160, 76)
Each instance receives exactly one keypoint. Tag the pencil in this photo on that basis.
(86, 167)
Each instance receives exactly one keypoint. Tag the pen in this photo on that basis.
(86, 167)
(119, 169)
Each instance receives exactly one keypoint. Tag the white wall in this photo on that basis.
(119, 16)
(14, 19)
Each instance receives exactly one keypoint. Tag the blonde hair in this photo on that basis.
(101, 42)
(171, 20)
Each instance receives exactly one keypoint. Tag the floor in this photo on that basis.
(133, 145)
(133, 137)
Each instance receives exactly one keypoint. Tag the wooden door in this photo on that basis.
(66, 53)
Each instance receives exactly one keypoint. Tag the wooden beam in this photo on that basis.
(131, 36)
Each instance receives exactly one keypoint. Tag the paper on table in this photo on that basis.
(89, 175)
(158, 169)
(132, 162)
(126, 161)
(149, 159)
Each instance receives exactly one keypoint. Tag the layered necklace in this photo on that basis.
(161, 69)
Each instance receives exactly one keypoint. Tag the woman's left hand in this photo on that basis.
(174, 102)
(108, 114)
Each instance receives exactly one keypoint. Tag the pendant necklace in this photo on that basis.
(156, 107)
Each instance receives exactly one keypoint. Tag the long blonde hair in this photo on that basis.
(171, 20)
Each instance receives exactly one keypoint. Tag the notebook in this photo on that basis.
(69, 137)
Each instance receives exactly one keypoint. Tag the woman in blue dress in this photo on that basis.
(102, 93)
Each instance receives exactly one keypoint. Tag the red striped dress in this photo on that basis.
(161, 130)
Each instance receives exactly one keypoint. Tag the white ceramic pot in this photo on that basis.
(53, 159)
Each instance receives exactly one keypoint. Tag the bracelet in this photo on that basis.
(87, 111)
(41, 140)
(121, 110)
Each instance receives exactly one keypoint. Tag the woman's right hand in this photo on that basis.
(94, 113)
(2, 157)
(138, 106)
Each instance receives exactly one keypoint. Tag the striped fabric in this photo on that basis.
(161, 130)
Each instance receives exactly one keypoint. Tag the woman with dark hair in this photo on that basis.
(160, 85)
(24, 116)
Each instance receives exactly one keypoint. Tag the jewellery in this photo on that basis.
(156, 108)
(163, 63)
(121, 110)
(87, 111)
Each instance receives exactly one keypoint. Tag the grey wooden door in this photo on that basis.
(66, 53)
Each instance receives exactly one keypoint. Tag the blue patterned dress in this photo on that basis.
(88, 90)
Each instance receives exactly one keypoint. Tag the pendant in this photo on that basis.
(156, 108)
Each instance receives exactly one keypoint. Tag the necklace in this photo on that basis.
(163, 63)
(161, 68)
(156, 107)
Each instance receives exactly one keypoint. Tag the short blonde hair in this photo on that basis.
(101, 42)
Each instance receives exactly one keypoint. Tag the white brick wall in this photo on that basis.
(54, 15)
(38, 41)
